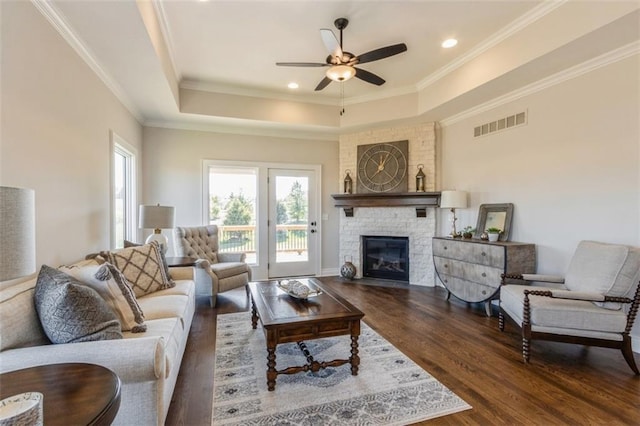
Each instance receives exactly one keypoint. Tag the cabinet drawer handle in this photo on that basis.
(446, 265)
(446, 281)
(484, 274)
(445, 247)
(484, 254)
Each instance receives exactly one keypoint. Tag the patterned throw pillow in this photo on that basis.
(112, 286)
(71, 312)
(143, 267)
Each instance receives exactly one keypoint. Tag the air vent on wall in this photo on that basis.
(499, 125)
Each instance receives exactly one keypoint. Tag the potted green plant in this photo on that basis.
(467, 232)
(494, 233)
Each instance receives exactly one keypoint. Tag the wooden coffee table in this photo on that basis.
(74, 394)
(287, 319)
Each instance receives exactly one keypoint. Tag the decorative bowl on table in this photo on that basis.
(24, 409)
(296, 289)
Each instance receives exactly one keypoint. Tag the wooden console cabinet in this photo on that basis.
(470, 269)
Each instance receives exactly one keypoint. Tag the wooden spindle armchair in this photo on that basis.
(595, 303)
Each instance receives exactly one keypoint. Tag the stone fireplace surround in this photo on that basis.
(393, 221)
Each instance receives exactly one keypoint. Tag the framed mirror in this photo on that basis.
(495, 216)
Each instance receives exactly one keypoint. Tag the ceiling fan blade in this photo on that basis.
(324, 83)
(301, 64)
(331, 43)
(369, 77)
(383, 52)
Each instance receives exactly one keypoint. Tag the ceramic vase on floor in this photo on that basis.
(348, 270)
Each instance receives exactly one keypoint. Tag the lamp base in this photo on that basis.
(454, 232)
(162, 240)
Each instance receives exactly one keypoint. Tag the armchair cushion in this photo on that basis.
(607, 269)
(229, 269)
(549, 313)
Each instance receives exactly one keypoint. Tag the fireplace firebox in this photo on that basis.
(385, 257)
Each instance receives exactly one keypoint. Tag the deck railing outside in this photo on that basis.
(242, 238)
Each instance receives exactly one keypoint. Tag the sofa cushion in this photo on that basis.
(143, 267)
(19, 323)
(165, 306)
(112, 286)
(72, 312)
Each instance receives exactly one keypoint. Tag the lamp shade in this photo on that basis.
(453, 199)
(156, 217)
(341, 72)
(17, 233)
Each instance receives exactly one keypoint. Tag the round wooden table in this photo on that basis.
(74, 394)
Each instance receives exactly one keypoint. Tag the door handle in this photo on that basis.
(313, 223)
(313, 231)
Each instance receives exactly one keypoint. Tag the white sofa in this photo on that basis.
(147, 363)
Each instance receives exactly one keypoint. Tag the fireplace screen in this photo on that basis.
(385, 257)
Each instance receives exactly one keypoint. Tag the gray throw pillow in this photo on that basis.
(71, 312)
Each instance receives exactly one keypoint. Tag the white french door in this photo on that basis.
(292, 223)
(269, 211)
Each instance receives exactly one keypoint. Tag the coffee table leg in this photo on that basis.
(254, 315)
(355, 359)
(271, 368)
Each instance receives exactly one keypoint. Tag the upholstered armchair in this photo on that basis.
(227, 270)
(594, 304)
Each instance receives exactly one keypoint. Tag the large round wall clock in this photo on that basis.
(382, 167)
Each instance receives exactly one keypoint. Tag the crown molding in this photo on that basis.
(165, 28)
(603, 60)
(255, 92)
(51, 13)
(279, 131)
(503, 34)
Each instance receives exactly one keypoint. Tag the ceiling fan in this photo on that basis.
(342, 63)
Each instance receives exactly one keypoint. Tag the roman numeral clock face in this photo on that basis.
(382, 167)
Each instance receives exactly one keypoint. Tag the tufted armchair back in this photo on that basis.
(199, 242)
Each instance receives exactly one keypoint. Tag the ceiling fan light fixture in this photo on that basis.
(341, 72)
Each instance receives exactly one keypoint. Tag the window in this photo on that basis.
(123, 190)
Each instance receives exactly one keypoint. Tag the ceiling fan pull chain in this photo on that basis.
(342, 98)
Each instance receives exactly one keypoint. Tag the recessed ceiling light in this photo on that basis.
(449, 43)
(293, 85)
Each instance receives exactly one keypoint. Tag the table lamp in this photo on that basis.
(17, 233)
(453, 200)
(157, 218)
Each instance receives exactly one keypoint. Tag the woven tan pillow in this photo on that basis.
(143, 267)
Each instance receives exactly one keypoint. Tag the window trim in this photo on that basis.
(122, 147)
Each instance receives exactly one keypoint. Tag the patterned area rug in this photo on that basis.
(389, 389)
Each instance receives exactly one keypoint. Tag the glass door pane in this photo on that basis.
(232, 207)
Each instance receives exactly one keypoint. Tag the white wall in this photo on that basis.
(172, 168)
(573, 172)
(55, 121)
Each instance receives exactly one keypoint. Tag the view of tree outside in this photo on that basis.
(292, 194)
(233, 207)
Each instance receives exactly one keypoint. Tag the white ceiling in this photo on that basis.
(232, 46)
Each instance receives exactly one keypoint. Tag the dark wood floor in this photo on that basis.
(461, 347)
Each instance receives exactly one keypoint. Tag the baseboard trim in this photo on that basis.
(330, 272)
